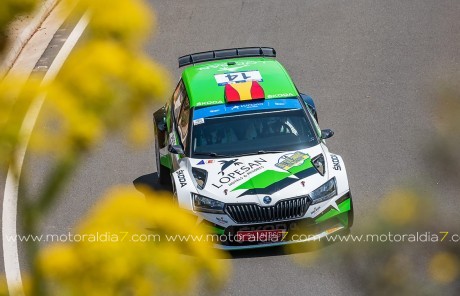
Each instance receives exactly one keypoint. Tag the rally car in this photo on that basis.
(244, 152)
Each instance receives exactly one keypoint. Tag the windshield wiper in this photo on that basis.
(261, 152)
(212, 154)
(270, 151)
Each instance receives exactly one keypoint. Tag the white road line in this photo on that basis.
(10, 198)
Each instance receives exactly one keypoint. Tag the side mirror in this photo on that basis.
(159, 118)
(162, 124)
(326, 134)
(175, 149)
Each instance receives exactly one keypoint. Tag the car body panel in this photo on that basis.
(264, 179)
(204, 89)
(228, 187)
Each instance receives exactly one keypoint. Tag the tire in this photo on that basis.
(174, 191)
(351, 214)
(164, 175)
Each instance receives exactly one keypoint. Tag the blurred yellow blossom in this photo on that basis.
(446, 144)
(127, 22)
(400, 207)
(107, 84)
(102, 87)
(15, 99)
(118, 262)
(444, 267)
(396, 270)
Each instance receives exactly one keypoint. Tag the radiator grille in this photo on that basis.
(283, 210)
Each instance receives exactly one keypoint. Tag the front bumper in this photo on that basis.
(295, 239)
(306, 229)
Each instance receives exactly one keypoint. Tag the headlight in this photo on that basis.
(205, 204)
(201, 176)
(324, 192)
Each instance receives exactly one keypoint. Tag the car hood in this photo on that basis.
(251, 178)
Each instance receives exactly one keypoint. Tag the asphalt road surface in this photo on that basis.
(371, 66)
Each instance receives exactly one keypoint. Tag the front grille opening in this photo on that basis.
(293, 208)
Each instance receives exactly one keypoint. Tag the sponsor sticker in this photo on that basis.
(181, 178)
(315, 210)
(288, 161)
(238, 172)
(286, 95)
(209, 103)
(335, 162)
(205, 161)
(278, 104)
(224, 67)
(221, 220)
(228, 163)
(237, 77)
(261, 235)
(198, 121)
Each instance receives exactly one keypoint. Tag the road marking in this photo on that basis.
(10, 197)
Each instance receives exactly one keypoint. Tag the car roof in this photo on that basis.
(203, 88)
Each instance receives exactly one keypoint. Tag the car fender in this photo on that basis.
(336, 168)
(184, 185)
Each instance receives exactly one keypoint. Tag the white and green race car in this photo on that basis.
(244, 152)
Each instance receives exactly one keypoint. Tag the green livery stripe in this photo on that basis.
(343, 207)
(304, 166)
(219, 230)
(270, 177)
(343, 218)
(166, 161)
(168, 119)
(204, 90)
(263, 180)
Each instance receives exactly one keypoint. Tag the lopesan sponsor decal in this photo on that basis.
(227, 163)
(335, 162)
(181, 178)
(243, 171)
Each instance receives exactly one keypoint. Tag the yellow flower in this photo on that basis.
(444, 267)
(400, 207)
(15, 99)
(128, 22)
(59, 260)
(127, 263)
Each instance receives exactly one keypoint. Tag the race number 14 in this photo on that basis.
(236, 77)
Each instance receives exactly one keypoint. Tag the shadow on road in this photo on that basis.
(150, 181)
(299, 248)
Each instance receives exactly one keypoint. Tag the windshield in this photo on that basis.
(251, 128)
